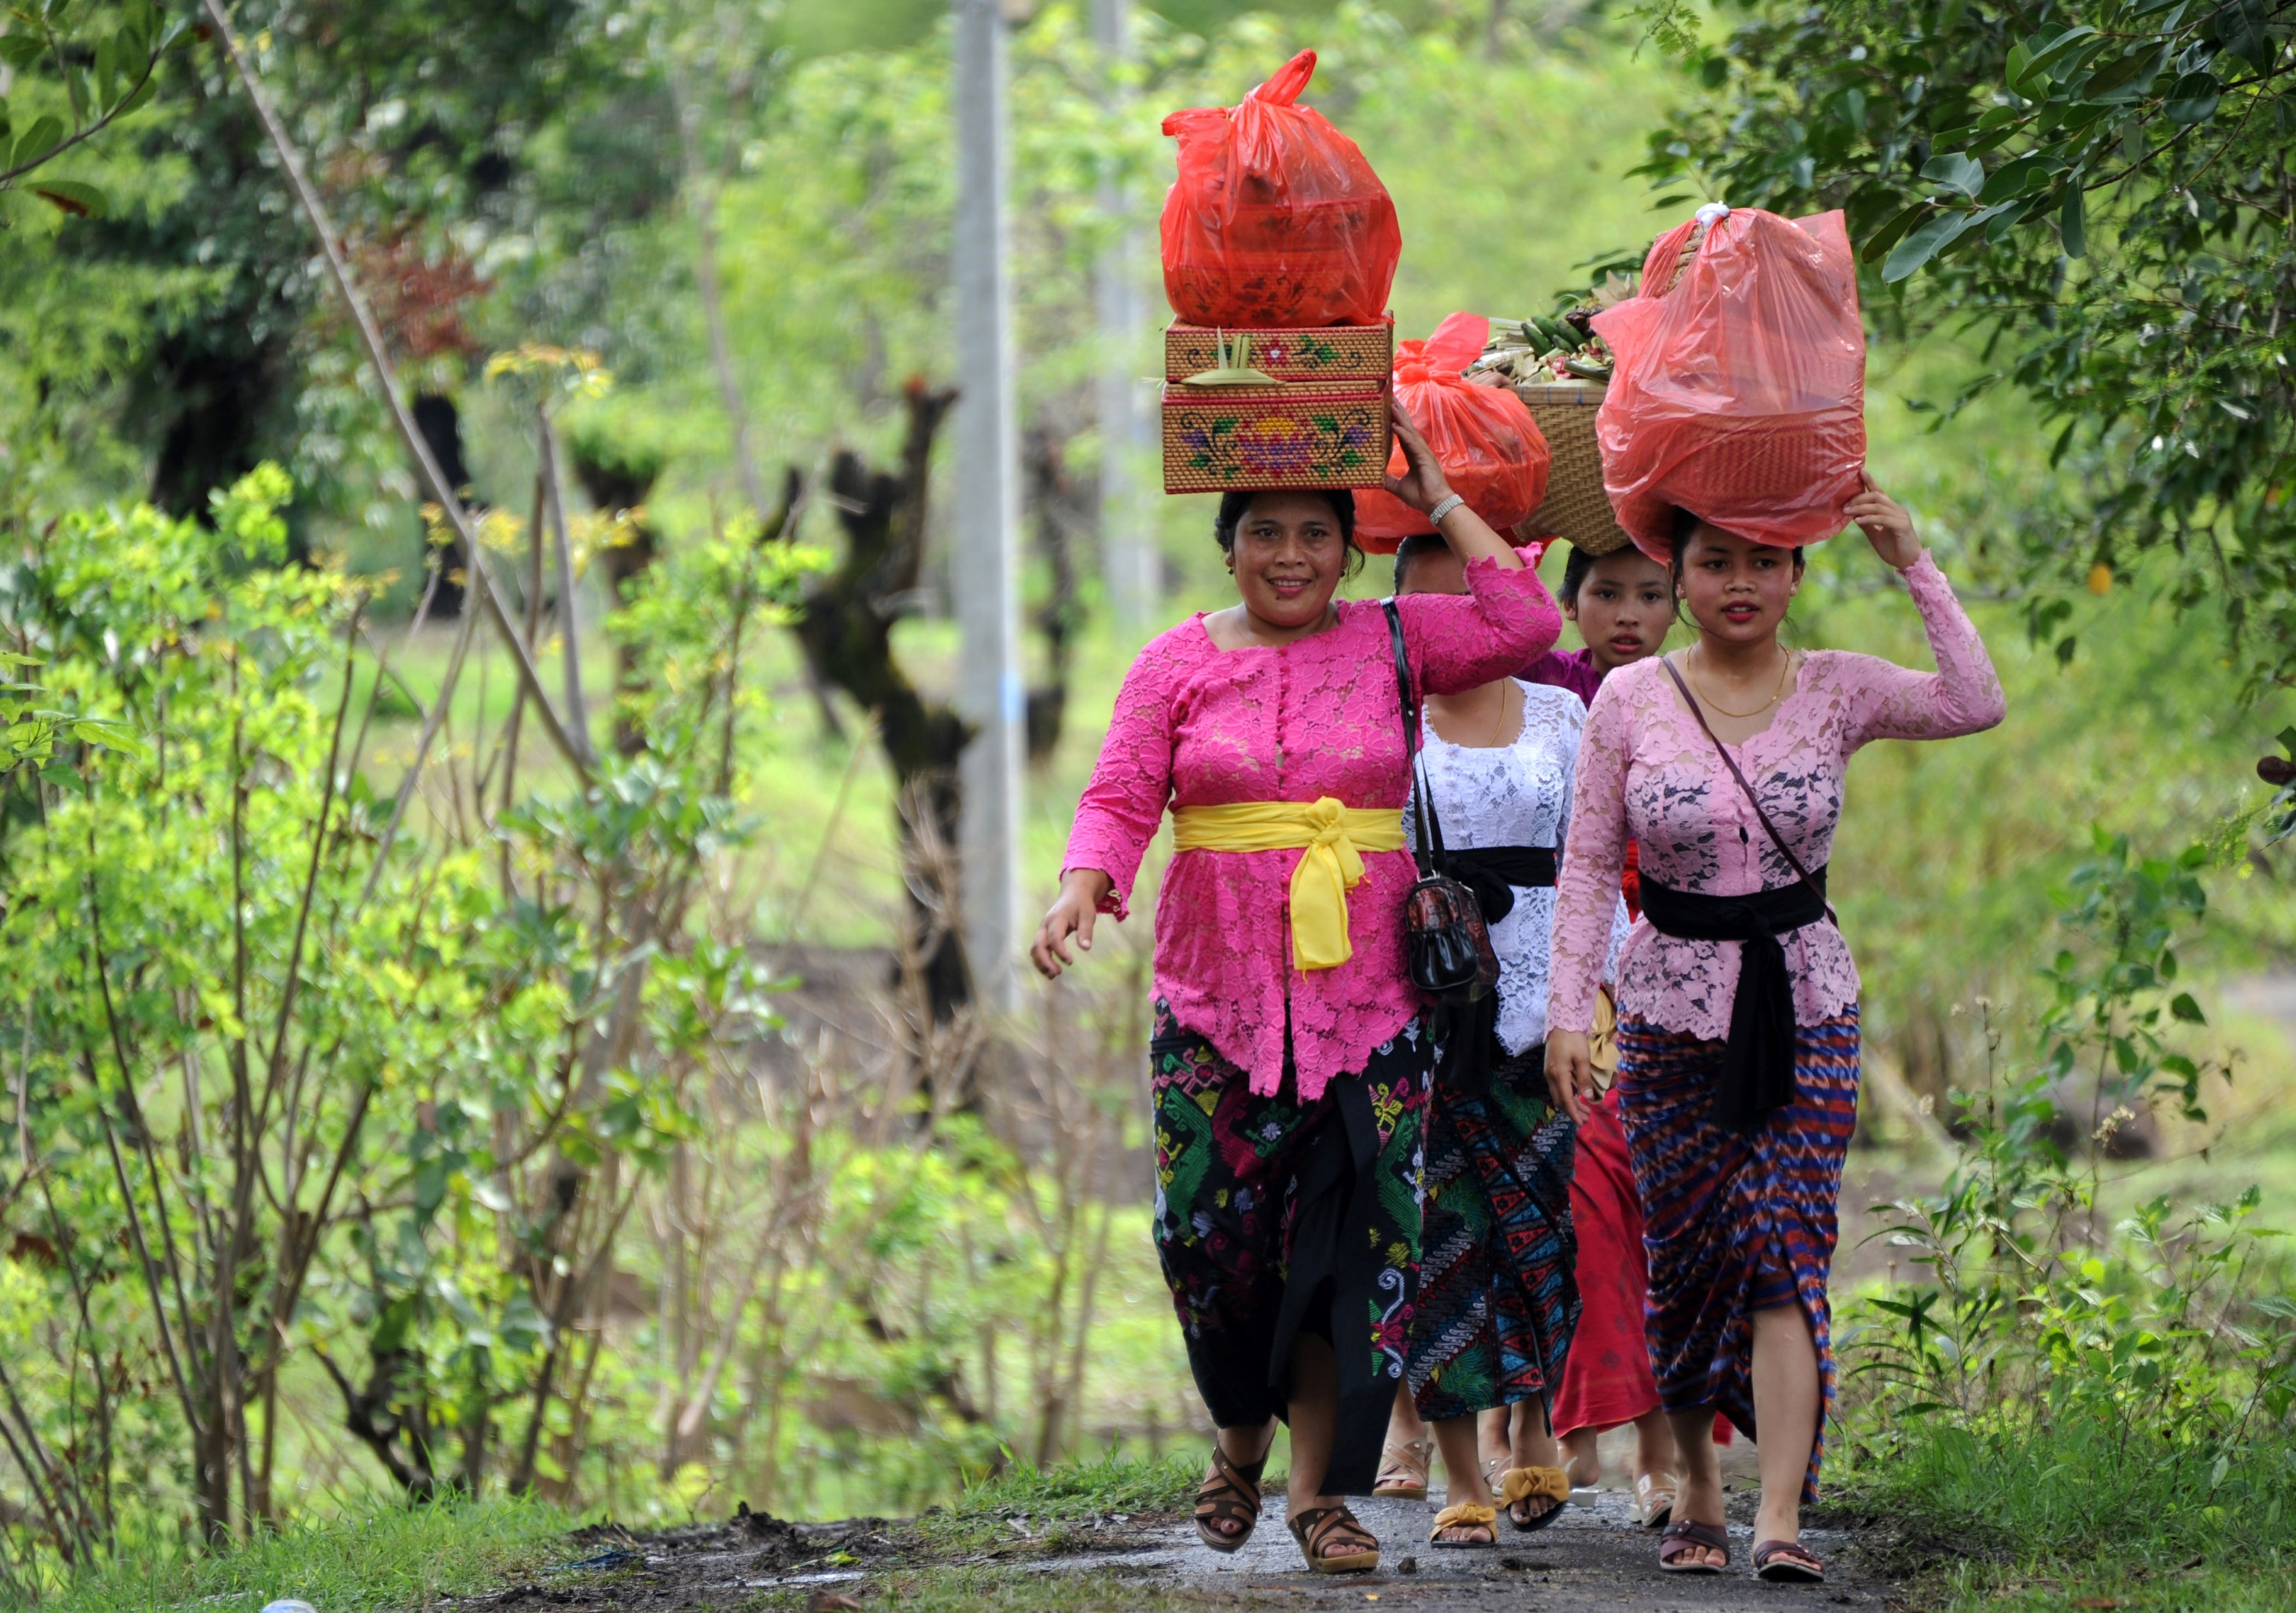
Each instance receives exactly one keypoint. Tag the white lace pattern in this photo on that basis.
(1516, 794)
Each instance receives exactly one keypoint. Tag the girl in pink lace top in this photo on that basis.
(1289, 1068)
(1738, 1045)
(1652, 775)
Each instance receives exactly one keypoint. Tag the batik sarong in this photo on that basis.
(1275, 1218)
(1497, 1296)
(1736, 1222)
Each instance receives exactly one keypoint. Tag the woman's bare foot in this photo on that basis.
(1455, 1437)
(1700, 1500)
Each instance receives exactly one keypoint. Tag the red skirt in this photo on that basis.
(1606, 1378)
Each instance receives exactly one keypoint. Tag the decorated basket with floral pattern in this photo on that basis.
(1328, 354)
(1299, 437)
(1277, 408)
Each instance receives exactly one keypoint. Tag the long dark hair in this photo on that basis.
(1234, 504)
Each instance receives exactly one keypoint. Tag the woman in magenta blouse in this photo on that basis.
(1289, 1063)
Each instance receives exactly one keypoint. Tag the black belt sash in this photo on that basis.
(1758, 1062)
(1470, 1031)
(1492, 871)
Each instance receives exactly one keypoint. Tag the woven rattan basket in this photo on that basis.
(1576, 508)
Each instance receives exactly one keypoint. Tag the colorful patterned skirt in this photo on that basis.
(1275, 1218)
(1497, 1298)
(1735, 1222)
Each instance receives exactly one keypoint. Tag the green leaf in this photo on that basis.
(73, 196)
(2185, 1009)
(137, 96)
(2018, 176)
(1923, 244)
(2126, 78)
(1957, 171)
(2072, 223)
(21, 51)
(2193, 99)
(431, 1185)
(113, 735)
(37, 141)
(2045, 57)
(1877, 245)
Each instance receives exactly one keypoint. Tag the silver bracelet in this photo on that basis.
(1435, 516)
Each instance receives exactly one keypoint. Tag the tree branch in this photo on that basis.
(418, 447)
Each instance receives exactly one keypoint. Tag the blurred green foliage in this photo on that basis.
(2097, 191)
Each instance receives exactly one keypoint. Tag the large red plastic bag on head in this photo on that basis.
(1275, 219)
(1739, 394)
(1490, 447)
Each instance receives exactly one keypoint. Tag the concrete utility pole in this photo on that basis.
(987, 462)
(1130, 558)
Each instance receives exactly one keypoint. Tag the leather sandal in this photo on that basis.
(1403, 1470)
(1682, 1537)
(1314, 1529)
(1521, 1485)
(1653, 1500)
(1230, 1494)
(1787, 1562)
(1466, 1515)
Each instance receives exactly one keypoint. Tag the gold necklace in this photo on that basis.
(1776, 695)
(1498, 726)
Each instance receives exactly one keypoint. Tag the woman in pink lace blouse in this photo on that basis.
(1738, 1051)
(1289, 1064)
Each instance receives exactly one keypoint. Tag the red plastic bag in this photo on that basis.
(1276, 220)
(1739, 393)
(1490, 448)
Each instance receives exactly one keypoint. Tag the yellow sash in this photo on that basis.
(1334, 837)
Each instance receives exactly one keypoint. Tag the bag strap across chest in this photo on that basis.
(1737, 773)
(1427, 849)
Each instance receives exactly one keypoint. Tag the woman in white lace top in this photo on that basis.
(1497, 1300)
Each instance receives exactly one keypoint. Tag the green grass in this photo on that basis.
(377, 1559)
(2052, 1515)
(1051, 1501)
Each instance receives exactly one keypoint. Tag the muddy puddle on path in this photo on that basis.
(1594, 1558)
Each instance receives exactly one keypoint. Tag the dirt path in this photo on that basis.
(1594, 1558)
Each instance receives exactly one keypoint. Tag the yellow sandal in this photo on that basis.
(1466, 1515)
(1520, 1485)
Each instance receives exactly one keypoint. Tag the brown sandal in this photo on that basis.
(1788, 1562)
(1230, 1494)
(1315, 1526)
(1403, 1470)
(1684, 1536)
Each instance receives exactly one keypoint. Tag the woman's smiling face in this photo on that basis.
(1289, 556)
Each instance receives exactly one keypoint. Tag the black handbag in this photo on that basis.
(1446, 946)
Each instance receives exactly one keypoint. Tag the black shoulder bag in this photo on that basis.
(1446, 943)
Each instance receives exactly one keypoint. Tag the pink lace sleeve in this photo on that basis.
(1962, 696)
(1586, 897)
(1121, 808)
(1461, 641)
